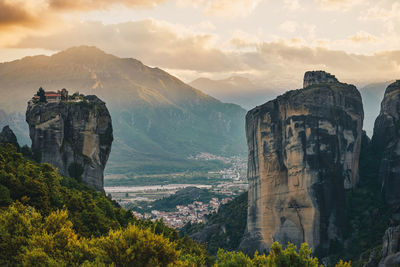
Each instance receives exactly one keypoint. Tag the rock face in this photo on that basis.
(304, 148)
(318, 77)
(391, 247)
(8, 136)
(386, 142)
(73, 136)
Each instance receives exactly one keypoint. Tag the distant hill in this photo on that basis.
(158, 120)
(235, 89)
(372, 95)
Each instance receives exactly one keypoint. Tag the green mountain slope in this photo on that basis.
(158, 120)
(49, 220)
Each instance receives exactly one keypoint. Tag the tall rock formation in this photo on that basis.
(304, 148)
(73, 135)
(7, 136)
(386, 143)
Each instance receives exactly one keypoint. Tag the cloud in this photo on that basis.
(378, 12)
(289, 26)
(99, 4)
(156, 43)
(20, 12)
(30, 13)
(224, 8)
(338, 4)
(279, 63)
(362, 37)
(292, 4)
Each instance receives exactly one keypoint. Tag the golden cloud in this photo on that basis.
(362, 37)
(225, 8)
(30, 13)
(99, 4)
(164, 45)
(155, 43)
(338, 4)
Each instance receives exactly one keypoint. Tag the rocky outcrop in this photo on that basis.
(386, 143)
(318, 77)
(74, 136)
(7, 136)
(304, 148)
(391, 247)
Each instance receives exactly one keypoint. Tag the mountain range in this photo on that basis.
(158, 120)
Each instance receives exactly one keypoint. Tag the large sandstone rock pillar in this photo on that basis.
(74, 136)
(304, 148)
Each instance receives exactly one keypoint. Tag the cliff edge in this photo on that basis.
(73, 133)
(386, 143)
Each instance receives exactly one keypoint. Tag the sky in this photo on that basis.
(271, 42)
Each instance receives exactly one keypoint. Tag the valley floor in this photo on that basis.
(218, 186)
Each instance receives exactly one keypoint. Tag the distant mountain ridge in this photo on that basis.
(235, 89)
(158, 119)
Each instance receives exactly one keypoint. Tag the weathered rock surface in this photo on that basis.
(8, 136)
(391, 247)
(386, 142)
(304, 148)
(318, 77)
(73, 136)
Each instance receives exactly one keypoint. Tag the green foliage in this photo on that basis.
(75, 170)
(42, 95)
(232, 217)
(342, 263)
(290, 256)
(5, 198)
(37, 155)
(232, 259)
(28, 239)
(58, 221)
(277, 257)
(39, 186)
(133, 246)
(26, 151)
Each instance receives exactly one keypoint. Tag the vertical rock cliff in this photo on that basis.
(386, 143)
(7, 136)
(303, 153)
(73, 135)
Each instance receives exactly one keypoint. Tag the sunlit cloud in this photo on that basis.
(338, 4)
(289, 26)
(225, 8)
(292, 4)
(362, 37)
(223, 38)
(281, 63)
(33, 12)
